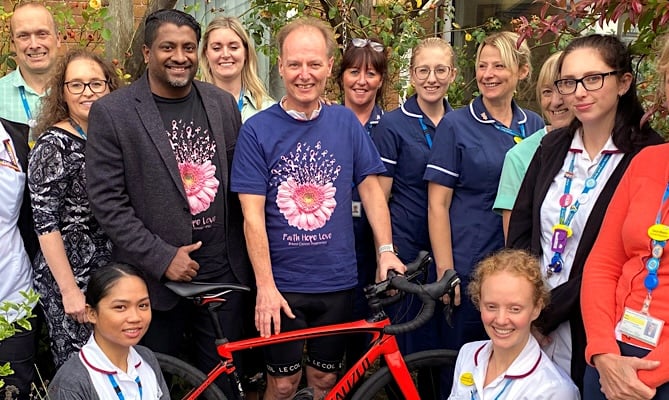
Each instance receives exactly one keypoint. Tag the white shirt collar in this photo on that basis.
(298, 115)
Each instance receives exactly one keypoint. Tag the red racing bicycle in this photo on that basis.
(398, 379)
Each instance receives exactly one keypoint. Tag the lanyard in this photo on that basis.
(26, 107)
(499, 395)
(428, 136)
(517, 136)
(659, 233)
(117, 388)
(240, 102)
(77, 128)
(562, 231)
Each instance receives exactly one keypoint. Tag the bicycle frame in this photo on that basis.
(381, 345)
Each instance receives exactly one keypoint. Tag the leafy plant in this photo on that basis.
(13, 317)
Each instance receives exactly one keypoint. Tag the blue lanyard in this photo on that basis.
(562, 231)
(117, 388)
(653, 264)
(240, 102)
(517, 136)
(499, 395)
(26, 106)
(428, 137)
(78, 128)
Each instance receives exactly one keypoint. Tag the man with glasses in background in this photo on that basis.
(34, 38)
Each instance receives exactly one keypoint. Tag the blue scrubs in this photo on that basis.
(403, 138)
(467, 156)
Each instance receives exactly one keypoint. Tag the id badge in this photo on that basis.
(356, 208)
(641, 326)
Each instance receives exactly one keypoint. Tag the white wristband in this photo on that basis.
(387, 248)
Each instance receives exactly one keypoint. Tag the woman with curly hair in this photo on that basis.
(72, 244)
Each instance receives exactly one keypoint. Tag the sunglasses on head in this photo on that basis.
(376, 46)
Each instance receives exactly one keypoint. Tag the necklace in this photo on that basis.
(77, 128)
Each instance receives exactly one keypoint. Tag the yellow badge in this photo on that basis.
(467, 379)
(517, 139)
(659, 232)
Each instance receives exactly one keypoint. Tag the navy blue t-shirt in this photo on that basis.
(305, 169)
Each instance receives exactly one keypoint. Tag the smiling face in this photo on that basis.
(495, 80)
(122, 316)
(172, 60)
(554, 108)
(593, 107)
(35, 39)
(361, 85)
(225, 54)
(305, 67)
(83, 70)
(432, 89)
(507, 310)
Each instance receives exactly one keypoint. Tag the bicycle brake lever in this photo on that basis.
(448, 308)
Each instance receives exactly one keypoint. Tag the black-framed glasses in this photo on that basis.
(589, 83)
(360, 43)
(422, 72)
(78, 87)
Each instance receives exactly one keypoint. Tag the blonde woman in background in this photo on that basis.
(228, 60)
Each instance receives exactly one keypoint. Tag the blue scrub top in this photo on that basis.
(401, 141)
(467, 156)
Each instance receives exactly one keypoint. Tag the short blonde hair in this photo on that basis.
(308, 22)
(429, 43)
(517, 262)
(512, 55)
(548, 74)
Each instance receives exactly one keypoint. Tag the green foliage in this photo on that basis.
(14, 317)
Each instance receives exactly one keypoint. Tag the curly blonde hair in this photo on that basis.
(53, 106)
(517, 262)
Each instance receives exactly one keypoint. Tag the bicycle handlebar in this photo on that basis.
(428, 293)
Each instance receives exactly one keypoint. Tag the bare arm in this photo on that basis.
(439, 225)
(269, 302)
(74, 302)
(506, 217)
(386, 183)
(376, 207)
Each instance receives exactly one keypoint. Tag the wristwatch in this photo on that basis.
(387, 248)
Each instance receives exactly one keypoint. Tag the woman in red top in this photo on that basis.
(624, 293)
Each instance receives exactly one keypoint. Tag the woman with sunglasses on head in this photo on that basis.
(111, 365)
(464, 168)
(363, 68)
(404, 137)
(72, 244)
(571, 179)
(624, 295)
(228, 60)
(516, 161)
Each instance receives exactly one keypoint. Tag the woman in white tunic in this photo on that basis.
(510, 292)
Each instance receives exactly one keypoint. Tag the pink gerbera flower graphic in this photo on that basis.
(306, 206)
(200, 184)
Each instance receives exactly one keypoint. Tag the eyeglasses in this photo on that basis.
(78, 87)
(589, 83)
(360, 43)
(440, 71)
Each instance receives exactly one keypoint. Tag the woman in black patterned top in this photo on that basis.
(72, 243)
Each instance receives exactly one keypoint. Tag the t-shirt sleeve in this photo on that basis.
(250, 171)
(513, 172)
(387, 143)
(444, 163)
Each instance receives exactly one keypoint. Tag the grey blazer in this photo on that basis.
(135, 189)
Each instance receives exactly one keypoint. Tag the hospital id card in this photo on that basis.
(641, 326)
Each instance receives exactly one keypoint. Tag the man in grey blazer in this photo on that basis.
(158, 160)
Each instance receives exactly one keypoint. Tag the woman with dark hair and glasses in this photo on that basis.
(361, 74)
(72, 244)
(570, 182)
(404, 137)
